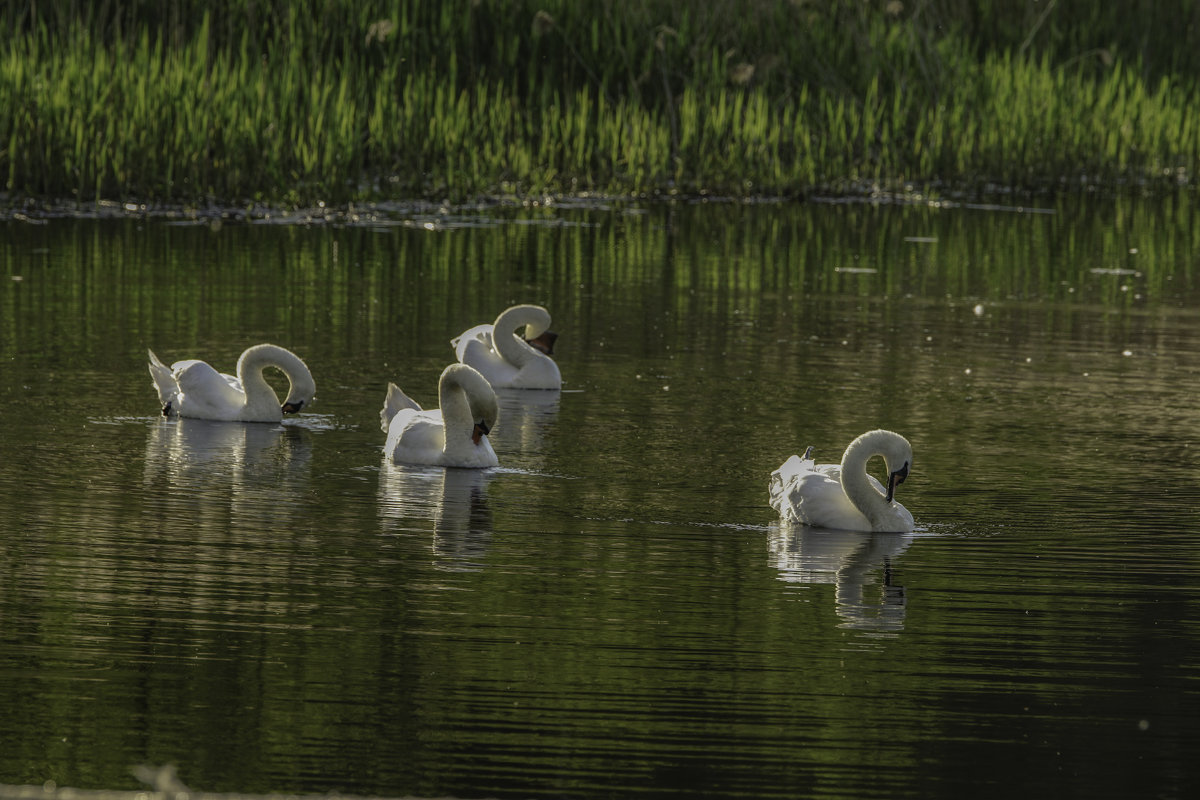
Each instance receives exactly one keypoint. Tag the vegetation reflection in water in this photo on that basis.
(614, 610)
(186, 283)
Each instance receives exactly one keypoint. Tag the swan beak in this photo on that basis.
(544, 343)
(482, 429)
(895, 479)
(292, 408)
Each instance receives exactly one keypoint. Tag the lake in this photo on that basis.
(615, 611)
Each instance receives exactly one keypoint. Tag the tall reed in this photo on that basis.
(335, 100)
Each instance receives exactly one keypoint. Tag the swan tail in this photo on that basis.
(164, 382)
(395, 402)
(776, 490)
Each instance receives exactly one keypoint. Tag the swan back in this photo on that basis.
(811, 494)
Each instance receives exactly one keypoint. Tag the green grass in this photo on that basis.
(334, 100)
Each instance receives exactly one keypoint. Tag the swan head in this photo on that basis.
(895, 479)
(897, 457)
(542, 342)
(485, 410)
(301, 391)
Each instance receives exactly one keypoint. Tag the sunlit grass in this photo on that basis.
(337, 101)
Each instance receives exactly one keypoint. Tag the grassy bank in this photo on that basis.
(337, 100)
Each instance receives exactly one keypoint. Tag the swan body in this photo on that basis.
(509, 361)
(194, 389)
(844, 496)
(454, 435)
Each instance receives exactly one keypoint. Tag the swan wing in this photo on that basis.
(475, 349)
(233, 382)
(480, 333)
(206, 393)
(812, 494)
(416, 437)
(785, 476)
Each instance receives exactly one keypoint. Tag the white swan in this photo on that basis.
(509, 361)
(844, 496)
(454, 435)
(194, 389)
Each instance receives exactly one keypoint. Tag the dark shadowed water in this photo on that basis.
(614, 612)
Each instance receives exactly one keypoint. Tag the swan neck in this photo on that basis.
(456, 410)
(259, 394)
(857, 486)
(508, 344)
(458, 417)
(250, 372)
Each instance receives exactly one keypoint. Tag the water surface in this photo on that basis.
(614, 611)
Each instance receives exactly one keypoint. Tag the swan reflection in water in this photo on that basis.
(526, 416)
(851, 561)
(252, 470)
(453, 500)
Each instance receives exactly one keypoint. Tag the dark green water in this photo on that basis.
(614, 612)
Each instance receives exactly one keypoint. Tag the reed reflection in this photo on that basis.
(852, 562)
(453, 500)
